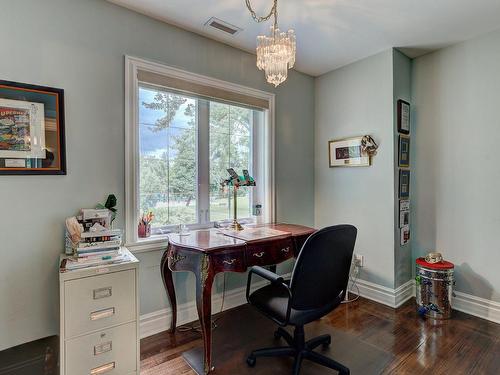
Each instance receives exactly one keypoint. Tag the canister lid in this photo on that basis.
(443, 265)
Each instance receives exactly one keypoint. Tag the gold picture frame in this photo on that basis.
(347, 152)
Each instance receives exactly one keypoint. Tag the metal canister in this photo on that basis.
(434, 283)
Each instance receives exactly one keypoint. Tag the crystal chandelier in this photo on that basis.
(276, 52)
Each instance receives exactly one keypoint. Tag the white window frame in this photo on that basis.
(132, 66)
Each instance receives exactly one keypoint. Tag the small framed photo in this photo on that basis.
(404, 205)
(403, 117)
(404, 151)
(404, 183)
(404, 218)
(31, 129)
(347, 153)
(405, 235)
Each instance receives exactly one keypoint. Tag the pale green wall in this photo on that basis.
(79, 45)
(355, 100)
(456, 137)
(402, 90)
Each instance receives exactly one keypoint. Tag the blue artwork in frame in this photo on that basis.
(404, 151)
(404, 183)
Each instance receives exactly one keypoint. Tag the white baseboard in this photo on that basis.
(404, 293)
(480, 307)
(467, 303)
(159, 321)
(386, 296)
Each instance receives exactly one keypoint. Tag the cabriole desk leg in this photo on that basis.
(204, 281)
(168, 283)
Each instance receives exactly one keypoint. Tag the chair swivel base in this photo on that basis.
(300, 350)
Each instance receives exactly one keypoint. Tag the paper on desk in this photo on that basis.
(252, 234)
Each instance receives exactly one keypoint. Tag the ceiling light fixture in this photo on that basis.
(275, 53)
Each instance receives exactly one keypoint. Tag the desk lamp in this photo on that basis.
(236, 181)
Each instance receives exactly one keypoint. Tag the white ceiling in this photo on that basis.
(333, 33)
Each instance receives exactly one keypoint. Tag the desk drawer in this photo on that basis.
(99, 302)
(274, 252)
(107, 352)
(230, 261)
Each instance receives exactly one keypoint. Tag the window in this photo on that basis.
(168, 130)
(231, 146)
(180, 145)
(170, 127)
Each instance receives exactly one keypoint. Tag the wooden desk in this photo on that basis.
(209, 252)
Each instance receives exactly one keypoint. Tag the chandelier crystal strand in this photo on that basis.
(276, 52)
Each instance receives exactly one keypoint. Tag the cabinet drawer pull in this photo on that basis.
(103, 348)
(103, 369)
(102, 292)
(101, 314)
(259, 255)
(285, 250)
(230, 262)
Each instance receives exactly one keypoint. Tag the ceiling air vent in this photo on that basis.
(222, 26)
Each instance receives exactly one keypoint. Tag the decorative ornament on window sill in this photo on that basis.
(276, 52)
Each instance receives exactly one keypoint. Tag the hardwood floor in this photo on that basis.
(462, 345)
(37, 357)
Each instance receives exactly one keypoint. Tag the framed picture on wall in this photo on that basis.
(404, 205)
(31, 129)
(403, 116)
(405, 235)
(404, 183)
(347, 152)
(404, 151)
(404, 218)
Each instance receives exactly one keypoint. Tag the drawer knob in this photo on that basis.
(102, 292)
(103, 369)
(285, 250)
(230, 262)
(259, 255)
(101, 314)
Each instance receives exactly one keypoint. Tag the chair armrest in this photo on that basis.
(273, 278)
(266, 274)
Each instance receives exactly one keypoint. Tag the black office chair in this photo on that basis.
(318, 285)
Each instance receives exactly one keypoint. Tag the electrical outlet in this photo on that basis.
(359, 260)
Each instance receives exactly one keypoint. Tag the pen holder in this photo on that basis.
(144, 230)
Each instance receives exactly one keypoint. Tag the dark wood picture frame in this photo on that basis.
(404, 151)
(404, 183)
(403, 122)
(26, 92)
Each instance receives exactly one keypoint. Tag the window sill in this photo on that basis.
(144, 245)
(160, 241)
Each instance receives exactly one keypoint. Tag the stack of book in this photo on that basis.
(97, 244)
(90, 241)
(74, 262)
(96, 248)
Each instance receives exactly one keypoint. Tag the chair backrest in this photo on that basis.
(322, 268)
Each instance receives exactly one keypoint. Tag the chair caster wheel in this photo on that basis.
(251, 361)
(326, 344)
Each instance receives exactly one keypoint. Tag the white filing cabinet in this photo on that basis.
(99, 327)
